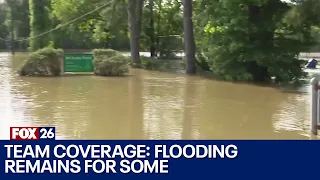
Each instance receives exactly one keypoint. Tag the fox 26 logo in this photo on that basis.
(32, 133)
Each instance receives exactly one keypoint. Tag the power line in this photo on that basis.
(62, 25)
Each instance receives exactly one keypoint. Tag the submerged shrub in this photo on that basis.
(148, 63)
(108, 62)
(44, 62)
(106, 52)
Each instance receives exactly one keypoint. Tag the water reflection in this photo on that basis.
(287, 118)
(13, 103)
(149, 105)
(192, 101)
(163, 106)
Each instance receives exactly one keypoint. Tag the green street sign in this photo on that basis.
(78, 63)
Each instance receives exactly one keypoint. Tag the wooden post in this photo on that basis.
(314, 105)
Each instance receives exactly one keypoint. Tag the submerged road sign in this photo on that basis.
(78, 63)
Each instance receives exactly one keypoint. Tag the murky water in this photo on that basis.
(149, 105)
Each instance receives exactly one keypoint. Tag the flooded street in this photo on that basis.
(149, 105)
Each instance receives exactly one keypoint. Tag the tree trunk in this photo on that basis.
(139, 14)
(134, 22)
(40, 22)
(189, 44)
(261, 39)
(12, 29)
(12, 42)
(151, 30)
(158, 27)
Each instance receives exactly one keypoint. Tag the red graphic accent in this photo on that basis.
(24, 133)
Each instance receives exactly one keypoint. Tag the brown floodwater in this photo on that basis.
(149, 105)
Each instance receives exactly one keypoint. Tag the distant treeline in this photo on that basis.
(256, 40)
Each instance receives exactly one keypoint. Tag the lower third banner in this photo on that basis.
(84, 159)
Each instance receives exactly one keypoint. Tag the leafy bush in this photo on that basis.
(108, 62)
(105, 52)
(148, 63)
(44, 62)
(202, 62)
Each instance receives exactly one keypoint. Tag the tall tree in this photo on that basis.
(23, 29)
(10, 22)
(151, 30)
(252, 40)
(134, 22)
(16, 20)
(3, 28)
(159, 3)
(40, 22)
(189, 44)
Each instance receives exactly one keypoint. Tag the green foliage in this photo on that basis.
(169, 45)
(167, 21)
(114, 24)
(17, 20)
(14, 21)
(251, 40)
(304, 12)
(3, 28)
(202, 62)
(106, 52)
(243, 40)
(315, 34)
(40, 22)
(66, 11)
(44, 62)
(169, 18)
(148, 63)
(104, 28)
(108, 62)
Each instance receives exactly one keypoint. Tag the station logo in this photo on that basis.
(32, 133)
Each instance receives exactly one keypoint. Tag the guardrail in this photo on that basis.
(315, 105)
(309, 55)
